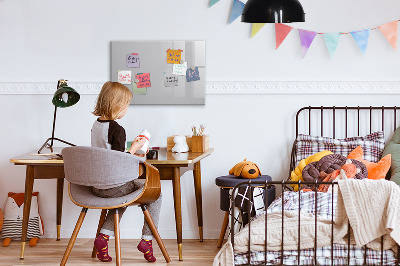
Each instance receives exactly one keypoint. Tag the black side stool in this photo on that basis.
(228, 182)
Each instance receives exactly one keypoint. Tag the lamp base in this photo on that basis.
(50, 146)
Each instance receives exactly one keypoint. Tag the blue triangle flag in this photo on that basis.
(361, 37)
(237, 9)
(213, 2)
(332, 41)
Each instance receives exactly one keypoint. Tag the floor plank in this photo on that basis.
(50, 252)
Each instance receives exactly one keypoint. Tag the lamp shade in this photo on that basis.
(65, 96)
(273, 11)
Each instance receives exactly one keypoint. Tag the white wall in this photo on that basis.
(42, 41)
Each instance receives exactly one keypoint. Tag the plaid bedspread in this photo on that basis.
(307, 202)
(324, 257)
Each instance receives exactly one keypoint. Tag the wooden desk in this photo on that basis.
(40, 167)
(171, 167)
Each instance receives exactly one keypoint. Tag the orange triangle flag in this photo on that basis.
(281, 31)
(389, 30)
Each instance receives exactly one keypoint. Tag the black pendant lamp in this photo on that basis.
(273, 11)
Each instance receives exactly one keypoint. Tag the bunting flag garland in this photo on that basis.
(237, 9)
(389, 30)
(256, 27)
(281, 31)
(306, 39)
(213, 2)
(361, 37)
(332, 41)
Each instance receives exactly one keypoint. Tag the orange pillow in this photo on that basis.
(375, 170)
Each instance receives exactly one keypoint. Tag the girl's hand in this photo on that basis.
(137, 144)
(143, 155)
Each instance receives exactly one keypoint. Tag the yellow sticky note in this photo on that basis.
(174, 56)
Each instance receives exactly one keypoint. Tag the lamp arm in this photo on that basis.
(54, 126)
(54, 119)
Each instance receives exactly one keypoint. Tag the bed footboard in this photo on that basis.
(310, 254)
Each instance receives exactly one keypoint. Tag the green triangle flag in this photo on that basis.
(213, 2)
(256, 27)
(332, 41)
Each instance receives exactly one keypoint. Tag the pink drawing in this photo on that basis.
(144, 80)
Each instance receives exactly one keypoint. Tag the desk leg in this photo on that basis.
(27, 206)
(176, 182)
(60, 190)
(199, 204)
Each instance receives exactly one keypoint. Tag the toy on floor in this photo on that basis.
(245, 169)
(13, 215)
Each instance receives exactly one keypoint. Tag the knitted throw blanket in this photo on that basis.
(274, 235)
(373, 209)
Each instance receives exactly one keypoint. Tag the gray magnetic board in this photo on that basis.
(161, 72)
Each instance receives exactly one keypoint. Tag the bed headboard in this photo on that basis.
(344, 121)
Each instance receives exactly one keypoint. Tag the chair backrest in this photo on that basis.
(92, 166)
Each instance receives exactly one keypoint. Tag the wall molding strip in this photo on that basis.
(231, 87)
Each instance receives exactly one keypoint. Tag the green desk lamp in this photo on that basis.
(65, 96)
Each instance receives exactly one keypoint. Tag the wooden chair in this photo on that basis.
(85, 167)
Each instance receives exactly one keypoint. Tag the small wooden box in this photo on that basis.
(171, 143)
(200, 143)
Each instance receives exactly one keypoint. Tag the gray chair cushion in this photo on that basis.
(99, 167)
(84, 196)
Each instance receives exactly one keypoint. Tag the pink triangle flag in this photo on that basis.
(389, 30)
(306, 39)
(281, 31)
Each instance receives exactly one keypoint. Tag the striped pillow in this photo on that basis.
(372, 145)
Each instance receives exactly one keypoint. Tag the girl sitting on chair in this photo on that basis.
(112, 104)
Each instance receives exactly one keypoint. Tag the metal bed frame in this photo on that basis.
(283, 184)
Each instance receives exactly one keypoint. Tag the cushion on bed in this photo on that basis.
(372, 144)
(375, 170)
(328, 164)
(393, 148)
(296, 174)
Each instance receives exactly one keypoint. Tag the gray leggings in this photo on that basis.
(154, 208)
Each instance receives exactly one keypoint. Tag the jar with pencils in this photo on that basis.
(200, 141)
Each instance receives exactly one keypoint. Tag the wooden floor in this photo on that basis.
(50, 252)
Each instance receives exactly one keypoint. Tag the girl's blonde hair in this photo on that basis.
(112, 99)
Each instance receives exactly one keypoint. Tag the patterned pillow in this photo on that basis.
(372, 145)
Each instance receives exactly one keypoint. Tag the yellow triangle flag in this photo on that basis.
(255, 28)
